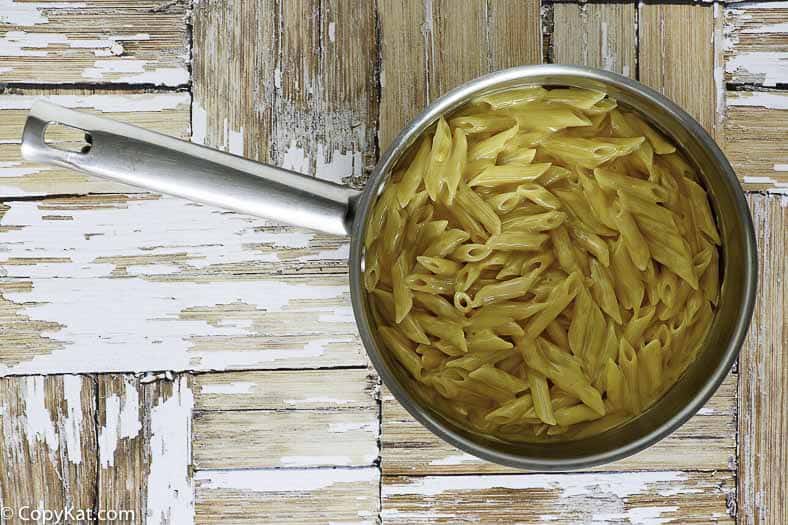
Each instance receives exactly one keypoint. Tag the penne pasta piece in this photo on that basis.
(478, 209)
(522, 156)
(628, 361)
(590, 242)
(535, 223)
(438, 265)
(402, 350)
(658, 142)
(517, 241)
(482, 123)
(616, 386)
(628, 284)
(604, 292)
(438, 305)
(445, 243)
(539, 195)
(427, 283)
(576, 97)
(510, 411)
(449, 331)
(403, 298)
(633, 238)
(540, 393)
(649, 370)
(513, 266)
(494, 176)
(589, 153)
(409, 327)
(487, 341)
(634, 329)
(575, 414)
(497, 378)
(489, 148)
(575, 200)
(512, 97)
(455, 166)
(547, 117)
(587, 331)
(559, 298)
(414, 175)
(642, 189)
(439, 155)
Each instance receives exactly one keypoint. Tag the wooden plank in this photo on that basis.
(631, 497)
(286, 390)
(308, 496)
(163, 112)
(324, 109)
(144, 447)
(677, 57)
(430, 46)
(137, 282)
(756, 43)
(269, 439)
(763, 376)
(94, 41)
(601, 35)
(756, 134)
(407, 448)
(47, 444)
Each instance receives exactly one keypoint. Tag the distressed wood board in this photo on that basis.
(198, 366)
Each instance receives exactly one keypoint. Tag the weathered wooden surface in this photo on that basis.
(763, 378)
(96, 277)
(94, 41)
(596, 35)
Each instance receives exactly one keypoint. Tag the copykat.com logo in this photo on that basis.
(28, 513)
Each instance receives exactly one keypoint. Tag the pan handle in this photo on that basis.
(163, 164)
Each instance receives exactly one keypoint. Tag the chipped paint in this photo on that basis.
(312, 461)
(780, 167)
(122, 421)
(768, 67)
(135, 71)
(170, 495)
(236, 387)
(455, 459)
(71, 425)
(235, 142)
(17, 13)
(193, 296)
(278, 480)
(39, 425)
(764, 99)
(131, 103)
(365, 426)
(319, 401)
(199, 123)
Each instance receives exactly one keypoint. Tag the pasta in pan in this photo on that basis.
(544, 264)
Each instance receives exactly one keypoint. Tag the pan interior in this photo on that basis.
(737, 260)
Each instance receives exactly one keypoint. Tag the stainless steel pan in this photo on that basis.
(163, 164)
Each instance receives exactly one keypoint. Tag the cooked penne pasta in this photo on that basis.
(543, 265)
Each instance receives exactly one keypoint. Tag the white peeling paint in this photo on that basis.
(278, 480)
(122, 421)
(311, 461)
(365, 426)
(30, 13)
(134, 71)
(780, 167)
(340, 166)
(104, 103)
(237, 387)
(39, 425)
(620, 485)
(295, 158)
(764, 99)
(101, 333)
(770, 67)
(707, 411)
(321, 401)
(71, 424)
(5, 70)
(199, 123)
(457, 459)
(767, 28)
(332, 31)
(170, 495)
(235, 142)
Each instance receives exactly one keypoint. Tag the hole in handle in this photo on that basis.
(67, 138)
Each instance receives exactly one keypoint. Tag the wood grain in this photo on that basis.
(286, 390)
(137, 282)
(429, 47)
(271, 439)
(602, 35)
(289, 98)
(763, 376)
(630, 497)
(94, 41)
(47, 443)
(308, 496)
(677, 56)
(144, 447)
(407, 448)
(163, 112)
(756, 134)
(756, 43)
